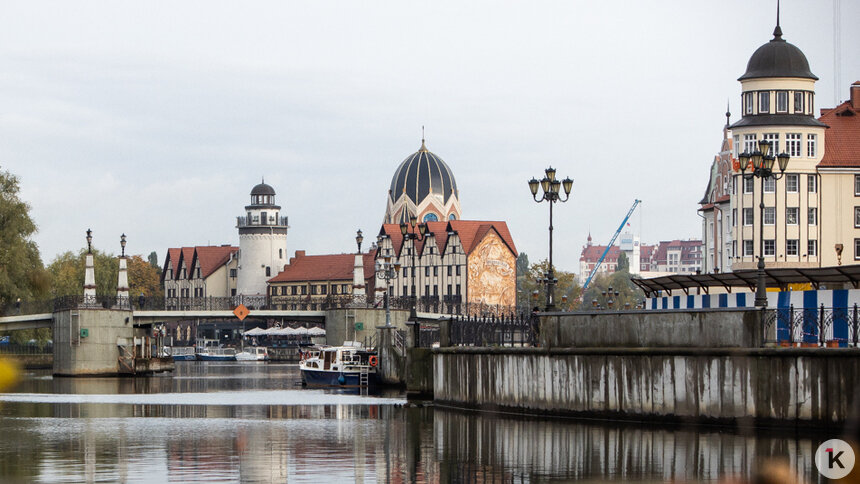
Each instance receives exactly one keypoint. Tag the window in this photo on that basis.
(264, 217)
(782, 101)
(769, 247)
(791, 247)
(769, 185)
(792, 144)
(232, 272)
(294, 290)
(856, 249)
(857, 185)
(405, 290)
(413, 271)
(749, 143)
(748, 248)
(734, 217)
(268, 271)
(323, 289)
(812, 216)
(769, 215)
(458, 289)
(426, 271)
(773, 139)
(734, 248)
(856, 217)
(764, 102)
(449, 274)
(458, 271)
(748, 216)
(791, 183)
(427, 287)
(812, 183)
(798, 102)
(810, 145)
(736, 144)
(812, 248)
(304, 290)
(449, 289)
(313, 289)
(749, 183)
(435, 271)
(749, 100)
(791, 215)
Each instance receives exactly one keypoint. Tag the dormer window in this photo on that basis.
(764, 102)
(782, 101)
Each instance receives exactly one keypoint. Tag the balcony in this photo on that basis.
(242, 222)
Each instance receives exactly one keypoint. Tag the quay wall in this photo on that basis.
(746, 386)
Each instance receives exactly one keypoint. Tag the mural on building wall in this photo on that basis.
(492, 273)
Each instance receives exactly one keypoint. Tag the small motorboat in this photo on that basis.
(253, 353)
(216, 354)
(183, 353)
(347, 366)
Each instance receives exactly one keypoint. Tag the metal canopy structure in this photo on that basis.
(776, 277)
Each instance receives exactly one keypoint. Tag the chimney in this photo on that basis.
(855, 95)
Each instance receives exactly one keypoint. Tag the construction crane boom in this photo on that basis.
(609, 245)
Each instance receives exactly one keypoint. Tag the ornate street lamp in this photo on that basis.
(760, 163)
(552, 194)
(358, 239)
(387, 271)
(89, 241)
(414, 236)
(122, 243)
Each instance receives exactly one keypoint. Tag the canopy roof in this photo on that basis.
(746, 279)
(285, 332)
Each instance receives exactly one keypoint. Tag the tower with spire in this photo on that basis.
(262, 241)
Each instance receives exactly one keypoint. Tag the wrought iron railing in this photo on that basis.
(512, 330)
(821, 326)
(428, 335)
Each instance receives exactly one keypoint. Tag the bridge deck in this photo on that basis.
(26, 321)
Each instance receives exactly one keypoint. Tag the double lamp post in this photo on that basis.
(551, 193)
(760, 163)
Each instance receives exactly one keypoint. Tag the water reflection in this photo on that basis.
(251, 423)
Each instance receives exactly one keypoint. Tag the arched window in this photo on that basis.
(452, 217)
(431, 217)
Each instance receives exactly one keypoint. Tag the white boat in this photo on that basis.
(253, 353)
(349, 366)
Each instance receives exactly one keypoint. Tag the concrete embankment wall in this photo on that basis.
(805, 386)
(694, 365)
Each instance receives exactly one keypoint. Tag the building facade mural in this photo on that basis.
(492, 273)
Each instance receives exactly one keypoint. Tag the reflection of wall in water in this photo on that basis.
(477, 444)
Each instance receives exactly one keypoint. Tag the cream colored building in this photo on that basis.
(810, 210)
(203, 271)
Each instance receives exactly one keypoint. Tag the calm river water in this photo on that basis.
(252, 422)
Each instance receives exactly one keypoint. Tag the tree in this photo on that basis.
(22, 274)
(143, 278)
(67, 273)
(628, 293)
(153, 260)
(527, 284)
(623, 263)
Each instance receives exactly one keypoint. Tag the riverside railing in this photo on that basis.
(510, 330)
(821, 326)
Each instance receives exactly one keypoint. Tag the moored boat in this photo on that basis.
(253, 353)
(216, 354)
(347, 366)
(183, 353)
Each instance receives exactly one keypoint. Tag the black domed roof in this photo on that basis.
(422, 173)
(262, 189)
(778, 58)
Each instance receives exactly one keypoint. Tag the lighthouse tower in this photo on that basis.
(262, 241)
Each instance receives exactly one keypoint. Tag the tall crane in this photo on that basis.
(609, 245)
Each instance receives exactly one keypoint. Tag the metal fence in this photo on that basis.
(512, 330)
(26, 349)
(835, 327)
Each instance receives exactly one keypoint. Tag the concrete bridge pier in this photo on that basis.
(102, 342)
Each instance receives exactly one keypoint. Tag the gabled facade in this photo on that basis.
(203, 271)
(715, 207)
(457, 261)
(308, 281)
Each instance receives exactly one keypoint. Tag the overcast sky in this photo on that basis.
(157, 118)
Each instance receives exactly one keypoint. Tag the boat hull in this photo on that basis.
(216, 358)
(184, 357)
(326, 378)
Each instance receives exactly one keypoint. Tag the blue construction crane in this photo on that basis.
(609, 245)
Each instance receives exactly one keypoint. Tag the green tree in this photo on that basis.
(67, 273)
(153, 260)
(22, 274)
(628, 293)
(567, 290)
(623, 263)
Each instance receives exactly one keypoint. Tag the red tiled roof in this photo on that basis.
(328, 267)
(592, 253)
(842, 139)
(471, 232)
(211, 258)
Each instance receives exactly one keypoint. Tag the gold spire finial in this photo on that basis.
(423, 147)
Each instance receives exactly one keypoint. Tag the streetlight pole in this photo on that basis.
(414, 236)
(760, 163)
(551, 193)
(387, 271)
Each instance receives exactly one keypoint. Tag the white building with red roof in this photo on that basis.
(201, 271)
(309, 280)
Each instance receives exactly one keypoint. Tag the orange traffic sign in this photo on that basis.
(241, 312)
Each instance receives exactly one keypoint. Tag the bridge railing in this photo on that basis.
(510, 330)
(821, 326)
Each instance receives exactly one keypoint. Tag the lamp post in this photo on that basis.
(89, 241)
(414, 236)
(122, 242)
(359, 239)
(552, 194)
(609, 297)
(387, 271)
(760, 162)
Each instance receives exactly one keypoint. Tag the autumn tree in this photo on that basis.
(567, 290)
(628, 293)
(143, 278)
